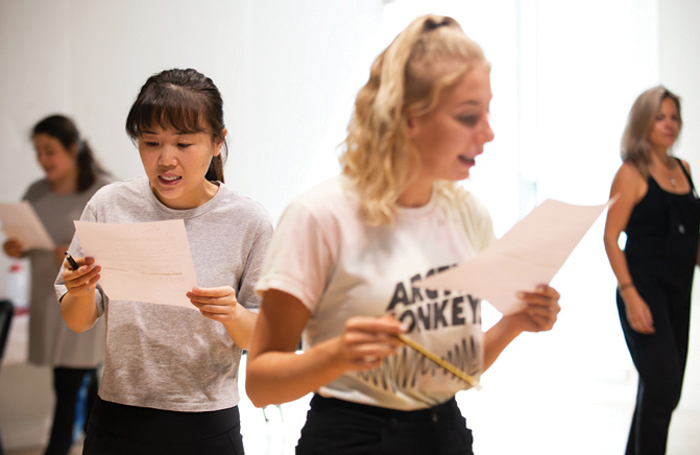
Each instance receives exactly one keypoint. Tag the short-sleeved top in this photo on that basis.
(51, 341)
(168, 357)
(338, 266)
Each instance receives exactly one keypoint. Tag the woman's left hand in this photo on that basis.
(540, 313)
(219, 304)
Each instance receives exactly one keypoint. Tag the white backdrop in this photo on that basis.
(564, 76)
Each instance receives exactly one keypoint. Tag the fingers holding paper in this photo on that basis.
(83, 279)
(541, 310)
(217, 303)
(14, 248)
(220, 304)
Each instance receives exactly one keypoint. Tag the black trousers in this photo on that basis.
(66, 384)
(340, 427)
(117, 429)
(660, 360)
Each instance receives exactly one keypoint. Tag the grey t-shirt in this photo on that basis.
(168, 357)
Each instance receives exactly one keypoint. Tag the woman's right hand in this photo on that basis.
(14, 248)
(366, 341)
(638, 312)
(80, 281)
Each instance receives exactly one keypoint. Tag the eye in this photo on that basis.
(183, 145)
(151, 143)
(469, 120)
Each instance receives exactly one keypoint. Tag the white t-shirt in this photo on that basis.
(338, 266)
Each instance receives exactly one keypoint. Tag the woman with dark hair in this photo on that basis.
(170, 382)
(659, 210)
(72, 176)
(354, 247)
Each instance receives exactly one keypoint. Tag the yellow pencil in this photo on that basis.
(435, 358)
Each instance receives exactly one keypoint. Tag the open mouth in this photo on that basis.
(168, 179)
(466, 160)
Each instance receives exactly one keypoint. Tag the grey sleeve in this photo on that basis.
(245, 294)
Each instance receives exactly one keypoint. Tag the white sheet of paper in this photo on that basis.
(531, 253)
(142, 262)
(20, 221)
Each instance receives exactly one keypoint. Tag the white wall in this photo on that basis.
(679, 48)
(288, 72)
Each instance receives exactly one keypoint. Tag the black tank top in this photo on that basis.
(664, 228)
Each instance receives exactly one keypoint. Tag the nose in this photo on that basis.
(487, 133)
(167, 156)
(42, 159)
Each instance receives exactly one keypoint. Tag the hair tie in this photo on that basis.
(432, 25)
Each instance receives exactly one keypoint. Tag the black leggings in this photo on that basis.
(660, 360)
(340, 427)
(66, 384)
(117, 429)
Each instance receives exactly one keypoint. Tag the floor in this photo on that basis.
(525, 416)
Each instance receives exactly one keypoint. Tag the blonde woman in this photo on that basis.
(659, 210)
(341, 268)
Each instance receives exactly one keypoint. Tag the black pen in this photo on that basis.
(73, 265)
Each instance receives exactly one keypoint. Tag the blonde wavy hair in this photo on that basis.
(635, 147)
(430, 55)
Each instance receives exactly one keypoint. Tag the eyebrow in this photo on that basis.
(179, 133)
(472, 102)
(469, 102)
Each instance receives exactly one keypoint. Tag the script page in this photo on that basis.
(141, 262)
(528, 255)
(20, 221)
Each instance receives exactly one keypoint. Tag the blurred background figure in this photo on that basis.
(72, 176)
(659, 210)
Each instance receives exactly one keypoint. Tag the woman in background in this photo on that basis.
(659, 210)
(170, 383)
(72, 176)
(353, 248)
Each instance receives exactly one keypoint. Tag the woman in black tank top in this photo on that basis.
(659, 210)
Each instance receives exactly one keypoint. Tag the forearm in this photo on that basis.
(79, 313)
(618, 262)
(496, 339)
(240, 328)
(539, 315)
(276, 377)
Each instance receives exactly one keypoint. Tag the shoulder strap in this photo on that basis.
(690, 180)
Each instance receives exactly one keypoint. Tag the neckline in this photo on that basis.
(418, 212)
(690, 191)
(184, 213)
